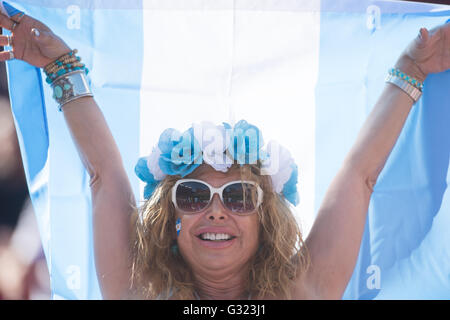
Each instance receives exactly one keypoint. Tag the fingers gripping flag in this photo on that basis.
(307, 73)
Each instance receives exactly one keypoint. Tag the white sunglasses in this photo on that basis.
(240, 197)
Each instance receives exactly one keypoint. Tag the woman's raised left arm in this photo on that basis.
(335, 237)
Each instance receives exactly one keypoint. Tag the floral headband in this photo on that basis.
(218, 146)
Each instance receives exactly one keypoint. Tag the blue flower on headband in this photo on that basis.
(144, 174)
(290, 187)
(245, 143)
(180, 153)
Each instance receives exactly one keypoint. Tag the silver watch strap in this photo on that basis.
(70, 86)
(412, 91)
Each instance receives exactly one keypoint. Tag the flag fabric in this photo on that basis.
(307, 73)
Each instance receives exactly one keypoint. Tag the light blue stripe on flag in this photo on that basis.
(31, 126)
(109, 40)
(403, 246)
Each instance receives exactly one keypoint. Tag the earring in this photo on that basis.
(178, 226)
(174, 249)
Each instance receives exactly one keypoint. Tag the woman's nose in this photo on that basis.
(216, 211)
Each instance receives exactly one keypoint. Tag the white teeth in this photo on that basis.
(215, 236)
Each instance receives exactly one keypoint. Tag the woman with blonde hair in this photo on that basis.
(249, 232)
(217, 222)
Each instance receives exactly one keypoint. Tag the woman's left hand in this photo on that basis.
(428, 53)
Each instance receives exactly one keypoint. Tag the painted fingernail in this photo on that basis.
(35, 32)
(10, 10)
(420, 33)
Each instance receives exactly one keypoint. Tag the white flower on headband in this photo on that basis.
(153, 164)
(213, 142)
(278, 165)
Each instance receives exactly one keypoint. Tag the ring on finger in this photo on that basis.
(14, 25)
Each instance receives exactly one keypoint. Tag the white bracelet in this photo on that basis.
(70, 86)
(412, 91)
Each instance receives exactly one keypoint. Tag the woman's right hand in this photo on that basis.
(32, 41)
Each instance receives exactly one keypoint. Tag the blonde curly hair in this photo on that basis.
(158, 273)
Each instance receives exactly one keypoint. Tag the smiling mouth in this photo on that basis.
(208, 236)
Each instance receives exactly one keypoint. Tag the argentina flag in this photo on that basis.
(307, 73)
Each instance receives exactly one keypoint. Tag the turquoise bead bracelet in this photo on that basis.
(61, 67)
(52, 76)
(412, 81)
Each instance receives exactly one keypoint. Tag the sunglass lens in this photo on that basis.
(240, 197)
(192, 196)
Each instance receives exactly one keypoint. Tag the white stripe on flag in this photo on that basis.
(271, 58)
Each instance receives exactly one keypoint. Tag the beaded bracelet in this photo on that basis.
(67, 63)
(404, 85)
(62, 59)
(412, 81)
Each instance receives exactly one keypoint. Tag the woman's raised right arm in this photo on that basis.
(112, 197)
